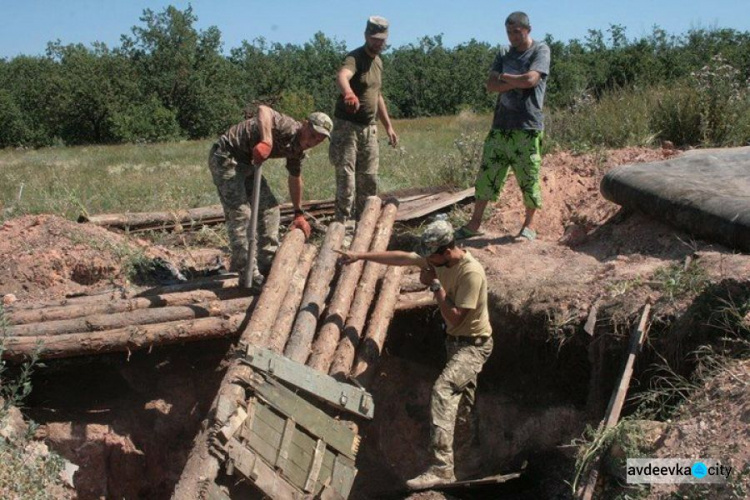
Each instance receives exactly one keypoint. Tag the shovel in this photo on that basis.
(252, 250)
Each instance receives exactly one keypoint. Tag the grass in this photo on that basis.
(69, 181)
(25, 473)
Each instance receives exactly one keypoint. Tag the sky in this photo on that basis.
(27, 26)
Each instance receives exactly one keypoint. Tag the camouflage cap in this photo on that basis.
(377, 27)
(321, 123)
(436, 235)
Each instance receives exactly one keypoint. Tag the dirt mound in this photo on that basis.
(45, 256)
(570, 192)
(713, 424)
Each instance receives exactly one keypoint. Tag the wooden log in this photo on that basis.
(282, 327)
(209, 283)
(123, 339)
(586, 492)
(415, 300)
(316, 291)
(338, 308)
(377, 329)
(277, 284)
(199, 284)
(101, 322)
(201, 465)
(194, 217)
(341, 364)
(40, 315)
(410, 282)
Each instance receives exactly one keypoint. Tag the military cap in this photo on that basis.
(377, 27)
(436, 235)
(321, 123)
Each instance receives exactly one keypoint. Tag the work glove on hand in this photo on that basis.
(351, 102)
(261, 152)
(300, 222)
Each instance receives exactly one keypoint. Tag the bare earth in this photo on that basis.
(588, 250)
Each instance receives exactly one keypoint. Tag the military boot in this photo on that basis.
(432, 477)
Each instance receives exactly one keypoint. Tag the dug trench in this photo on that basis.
(129, 422)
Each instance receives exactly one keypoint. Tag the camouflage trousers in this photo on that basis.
(455, 387)
(234, 182)
(354, 154)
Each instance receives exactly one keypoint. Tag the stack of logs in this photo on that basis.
(289, 314)
(284, 318)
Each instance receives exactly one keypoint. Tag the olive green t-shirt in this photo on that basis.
(465, 285)
(366, 84)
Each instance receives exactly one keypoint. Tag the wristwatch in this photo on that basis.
(435, 286)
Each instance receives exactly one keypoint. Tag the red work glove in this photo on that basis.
(261, 152)
(300, 222)
(351, 102)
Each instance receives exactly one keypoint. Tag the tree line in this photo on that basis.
(168, 80)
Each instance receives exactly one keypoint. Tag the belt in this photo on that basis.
(476, 341)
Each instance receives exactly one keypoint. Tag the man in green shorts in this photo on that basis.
(519, 76)
(459, 285)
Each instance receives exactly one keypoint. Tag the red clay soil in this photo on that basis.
(46, 257)
(587, 249)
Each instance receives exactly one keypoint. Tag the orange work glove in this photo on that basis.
(351, 102)
(300, 222)
(261, 152)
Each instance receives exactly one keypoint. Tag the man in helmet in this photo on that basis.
(268, 134)
(460, 287)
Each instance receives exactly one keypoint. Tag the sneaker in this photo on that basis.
(428, 480)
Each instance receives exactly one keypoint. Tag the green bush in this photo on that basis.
(147, 122)
(296, 103)
(676, 116)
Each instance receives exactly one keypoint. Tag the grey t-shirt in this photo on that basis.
(521, 109)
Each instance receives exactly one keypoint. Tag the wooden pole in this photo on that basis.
(586, 492)
(316, 291)
(415, 300)
(282, 327)
(56, 313)
(343, 358)
(338, 308)
(377, 329)
(123, 339)
(100, 322)
(201, 465)
(277, 284)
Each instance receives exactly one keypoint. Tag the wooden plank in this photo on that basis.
(265, 478)
(341, 395)
(586, 492)
(438, 203)
(342, 478)
(317, 462)
(286, 442)
(235, 421)
(333, 432)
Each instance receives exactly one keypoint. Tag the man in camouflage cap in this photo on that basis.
(460, 287)
(268, 134)
(354, 142)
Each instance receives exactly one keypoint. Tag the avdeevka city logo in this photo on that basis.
(699, 470)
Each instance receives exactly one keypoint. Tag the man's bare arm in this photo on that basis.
(265, 124)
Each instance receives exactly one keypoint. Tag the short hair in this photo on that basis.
(518, 18)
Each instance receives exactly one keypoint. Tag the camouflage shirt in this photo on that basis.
(240, 140)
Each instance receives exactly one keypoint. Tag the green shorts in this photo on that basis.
(506, 149)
